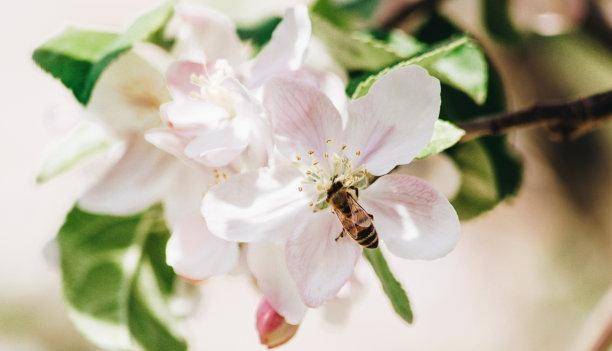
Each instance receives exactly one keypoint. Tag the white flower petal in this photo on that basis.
(267, 263)
(210, 33)
(185, 114)
(303, 118)
(138, 180)
(262, 205)
(318, 263)
(179, 76)
(395, 120)
(414, 220)
(128, 94)
(216, 148)
(287, 48)
(196, 254)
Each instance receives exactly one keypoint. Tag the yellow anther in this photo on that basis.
(344, 147)
(300, 189)
(311, 152)
(358, 152)
(326, 155)
(329, 141)
(298, 157)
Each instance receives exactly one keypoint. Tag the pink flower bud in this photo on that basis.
(272, 327)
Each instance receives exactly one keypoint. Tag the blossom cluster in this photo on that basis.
(246, 150)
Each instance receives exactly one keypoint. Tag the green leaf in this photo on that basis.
(78, 57)
(391, 286)
(490, 170)
(458, 62)
(348, 15)
(497, 21)
(116, 282)
(445, 135)
(489, 174)
(354, 50)
(85, 141)
(403, 44)
(260, 34)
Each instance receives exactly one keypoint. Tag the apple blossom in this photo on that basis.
(287, 202)
(215, 117)
(272, 328)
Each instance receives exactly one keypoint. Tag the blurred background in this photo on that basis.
(532, 274)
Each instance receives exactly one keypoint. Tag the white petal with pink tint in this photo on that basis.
(208, 35)
(193, 113)
(286, 49)
(179, 76)
(263, 205)
(395, 120)
(216, 148)
(128, 94)
(139, 179)
(196, 254)
(318, 263)
(414, 220)
(303, 118)
(267, 263)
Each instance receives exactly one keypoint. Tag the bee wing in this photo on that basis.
(357, 220)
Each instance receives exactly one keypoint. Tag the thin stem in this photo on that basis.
(405, 11)
(567, 119)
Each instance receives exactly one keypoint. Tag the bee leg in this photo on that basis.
(371, 216)
(340, 236)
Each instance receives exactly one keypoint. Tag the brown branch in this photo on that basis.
(405, 11)
(567, 119)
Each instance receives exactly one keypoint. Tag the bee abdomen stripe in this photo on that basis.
(369, 239)
(364, 233)
(373, 244)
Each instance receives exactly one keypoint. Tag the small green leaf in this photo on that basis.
(85, 141)
(354, 50)
(457, 62)
(497, 21)
(78, 57)
(490, 170)
(116, 282)
(391, 286)
(465, 69)
(260, 34)
(445, 135)
(403, 44)
(348, 15)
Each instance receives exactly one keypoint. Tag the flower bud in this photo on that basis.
(272, 327)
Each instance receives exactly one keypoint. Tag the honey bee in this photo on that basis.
(356, 222)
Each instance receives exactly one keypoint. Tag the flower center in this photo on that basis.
(211, 87)
(322, 171)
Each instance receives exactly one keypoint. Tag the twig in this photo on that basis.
(568, 119)
(405, 11)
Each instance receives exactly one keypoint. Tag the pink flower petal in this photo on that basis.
(302, 117)
(178, 78)
(273, 329)
(139, 179)
(395, 120)
(414, 220)
(267, 263)
(286, 49)
(190, 114)
(318, 263)
(209, 34)
(196, 254)
(217, 147)
(262, 205)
